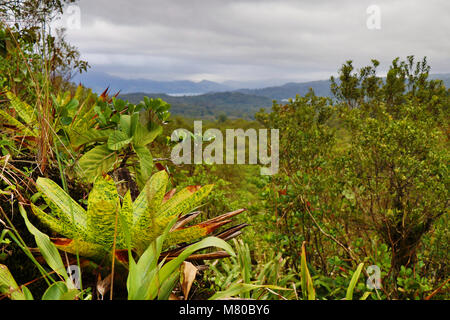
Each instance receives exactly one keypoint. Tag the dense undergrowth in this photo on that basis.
(86, 180)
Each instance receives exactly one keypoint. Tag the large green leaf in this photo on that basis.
(80, 137)
(83, 248)
(125, 222)
(125, 124)
(68, 208)
(118, 139)
(85, 117)
(186, 234)
(95, 162)
(142, 238)
(145, 162)
(143, 136)
(153, 223)
(141, 273)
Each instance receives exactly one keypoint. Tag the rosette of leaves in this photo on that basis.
(110, 222)
(120, 138)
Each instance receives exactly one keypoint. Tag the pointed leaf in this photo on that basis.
(192, 233)
(125, 222)
(59, 291)
(149, 200)
(69, 209)
(46, 247)
(59, 226)
(353, 282)
(24, 110)
(185, 200)
(145, 161)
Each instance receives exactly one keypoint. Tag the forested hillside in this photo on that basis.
(211, 105)
(243, 103)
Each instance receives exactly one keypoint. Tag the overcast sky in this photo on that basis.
(220, 40)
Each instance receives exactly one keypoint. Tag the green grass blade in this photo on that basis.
(46, 247)
(353, 282)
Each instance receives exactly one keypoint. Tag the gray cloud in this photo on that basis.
(255, 40)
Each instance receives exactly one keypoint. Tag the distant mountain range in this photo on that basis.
(291, 89)
(207, 99)
(442, 76)
(99, 81)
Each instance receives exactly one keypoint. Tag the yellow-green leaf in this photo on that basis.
(147, 204)
(184, 201)
(69, 209)
(8, 119)
(59, 226)
(103, 206)
(24, 110)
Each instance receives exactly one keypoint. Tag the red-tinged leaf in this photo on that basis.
(104, 94)
(169, 195)
(83, 248)
(122, 256)
(224, 216)
(193, 188)
(160, 167)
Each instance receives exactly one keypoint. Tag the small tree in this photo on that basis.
(396, 167)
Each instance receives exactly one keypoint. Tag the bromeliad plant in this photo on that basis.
(95, 232)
